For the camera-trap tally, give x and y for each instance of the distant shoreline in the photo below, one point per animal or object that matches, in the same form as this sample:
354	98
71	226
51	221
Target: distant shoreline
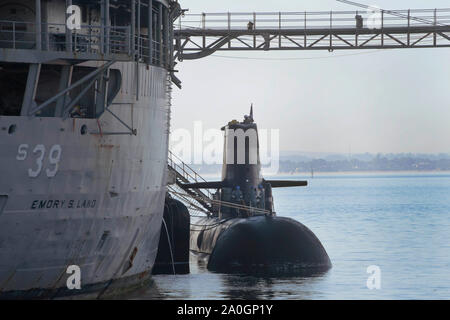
307	175
378	172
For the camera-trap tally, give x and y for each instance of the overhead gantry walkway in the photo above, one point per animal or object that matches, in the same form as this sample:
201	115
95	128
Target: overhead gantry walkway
200	35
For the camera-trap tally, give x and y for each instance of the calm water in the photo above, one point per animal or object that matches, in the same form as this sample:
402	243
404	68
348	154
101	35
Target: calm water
399	222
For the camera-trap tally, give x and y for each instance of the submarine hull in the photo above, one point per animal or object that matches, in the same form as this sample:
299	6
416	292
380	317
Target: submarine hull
267	244
173	250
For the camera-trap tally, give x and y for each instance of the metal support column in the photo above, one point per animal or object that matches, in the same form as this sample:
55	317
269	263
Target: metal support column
64	82
31	88
38	25
331	30
68	31
254	27
304	28
139	40
204	27
101	94
139	52
150	31
229	27
435	24
107	27
409	27
133	29
102	27
159	35
171	44
382	28
279	30
166	36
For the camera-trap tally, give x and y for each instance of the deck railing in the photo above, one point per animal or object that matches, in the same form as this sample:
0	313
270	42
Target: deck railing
160	53
55	37
90	39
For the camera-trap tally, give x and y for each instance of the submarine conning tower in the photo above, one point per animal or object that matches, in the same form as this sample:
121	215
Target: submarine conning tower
241	163
242	192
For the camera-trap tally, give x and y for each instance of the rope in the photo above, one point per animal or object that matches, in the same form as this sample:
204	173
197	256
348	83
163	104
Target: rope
170	246
226	204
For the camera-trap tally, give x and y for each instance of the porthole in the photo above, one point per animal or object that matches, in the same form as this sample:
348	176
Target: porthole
84	129
12	128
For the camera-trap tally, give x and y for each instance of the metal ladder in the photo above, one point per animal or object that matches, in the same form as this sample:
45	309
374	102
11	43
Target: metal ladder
196	199
200	201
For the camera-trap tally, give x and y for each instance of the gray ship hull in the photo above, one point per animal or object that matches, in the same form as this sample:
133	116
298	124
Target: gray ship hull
94	200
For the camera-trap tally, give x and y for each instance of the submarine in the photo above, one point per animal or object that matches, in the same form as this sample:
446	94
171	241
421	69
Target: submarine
243	232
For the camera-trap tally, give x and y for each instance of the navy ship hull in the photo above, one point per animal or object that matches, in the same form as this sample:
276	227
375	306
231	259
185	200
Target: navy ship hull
85	97
99	207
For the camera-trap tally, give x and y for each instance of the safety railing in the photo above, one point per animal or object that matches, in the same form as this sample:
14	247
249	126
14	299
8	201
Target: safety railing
56	37
374	18
159	52
194	205
255	211
17	34
186	171
102	40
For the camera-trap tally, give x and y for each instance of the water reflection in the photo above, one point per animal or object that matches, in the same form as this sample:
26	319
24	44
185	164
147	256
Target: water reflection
243	287
202	284
256	287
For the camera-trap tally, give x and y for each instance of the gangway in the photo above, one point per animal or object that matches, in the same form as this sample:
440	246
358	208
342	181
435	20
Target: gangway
199	201
200	35
181	173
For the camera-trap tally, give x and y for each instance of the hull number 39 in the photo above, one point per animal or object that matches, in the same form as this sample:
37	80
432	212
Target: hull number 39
41	162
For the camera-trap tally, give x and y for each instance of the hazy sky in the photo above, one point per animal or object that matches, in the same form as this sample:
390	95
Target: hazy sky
375	101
